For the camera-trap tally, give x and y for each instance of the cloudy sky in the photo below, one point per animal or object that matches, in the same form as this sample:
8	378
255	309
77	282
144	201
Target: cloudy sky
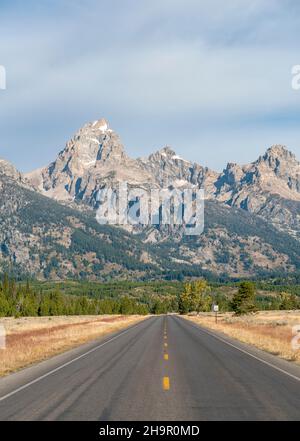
208	77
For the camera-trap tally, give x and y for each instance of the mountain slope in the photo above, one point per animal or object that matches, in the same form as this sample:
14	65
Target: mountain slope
42	237
252	215
234	243
49	240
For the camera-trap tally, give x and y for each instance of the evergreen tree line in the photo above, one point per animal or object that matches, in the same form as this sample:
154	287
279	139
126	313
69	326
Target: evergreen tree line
24	301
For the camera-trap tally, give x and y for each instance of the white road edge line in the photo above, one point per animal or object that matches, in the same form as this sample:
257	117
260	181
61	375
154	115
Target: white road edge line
244	351
25	386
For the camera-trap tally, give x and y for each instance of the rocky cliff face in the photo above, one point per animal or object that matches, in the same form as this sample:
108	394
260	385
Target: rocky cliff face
277	172
42	237
169	169
95	157
49	240
269	187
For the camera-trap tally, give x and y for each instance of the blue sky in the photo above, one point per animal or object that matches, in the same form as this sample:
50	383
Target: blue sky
210	78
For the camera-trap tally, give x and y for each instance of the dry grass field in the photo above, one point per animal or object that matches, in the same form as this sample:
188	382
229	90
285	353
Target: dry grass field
267	330
29	340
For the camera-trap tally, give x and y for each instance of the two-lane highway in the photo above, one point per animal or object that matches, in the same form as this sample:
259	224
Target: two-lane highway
164	368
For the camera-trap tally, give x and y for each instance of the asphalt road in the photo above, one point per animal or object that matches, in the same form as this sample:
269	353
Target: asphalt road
163	369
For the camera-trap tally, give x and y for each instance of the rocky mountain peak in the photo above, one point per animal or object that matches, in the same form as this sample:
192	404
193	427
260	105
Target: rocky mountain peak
6	168
91	147
101	125
94	156
167	151
169	169
166	155
276	174
280	164
98	126
278	151
8	171
276	155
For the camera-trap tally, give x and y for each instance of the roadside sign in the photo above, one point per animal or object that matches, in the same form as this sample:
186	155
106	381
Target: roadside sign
215	309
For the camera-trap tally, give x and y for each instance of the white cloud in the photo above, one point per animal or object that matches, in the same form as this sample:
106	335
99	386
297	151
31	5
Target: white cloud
222	63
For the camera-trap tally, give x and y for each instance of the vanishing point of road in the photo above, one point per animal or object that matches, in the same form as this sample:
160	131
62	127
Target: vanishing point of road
163	369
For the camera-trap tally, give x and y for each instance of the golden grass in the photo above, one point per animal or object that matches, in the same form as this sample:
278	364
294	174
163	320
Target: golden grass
267	330
34	339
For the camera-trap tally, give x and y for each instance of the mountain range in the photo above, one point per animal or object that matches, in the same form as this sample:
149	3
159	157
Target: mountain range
48	227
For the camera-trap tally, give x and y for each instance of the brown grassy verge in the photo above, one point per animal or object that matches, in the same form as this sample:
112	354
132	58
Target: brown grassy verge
34	339
270	330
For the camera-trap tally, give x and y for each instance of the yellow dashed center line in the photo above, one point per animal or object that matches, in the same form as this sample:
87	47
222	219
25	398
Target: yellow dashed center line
166	383
166	380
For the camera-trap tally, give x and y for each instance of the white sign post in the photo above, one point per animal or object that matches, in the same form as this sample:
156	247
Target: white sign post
216	310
